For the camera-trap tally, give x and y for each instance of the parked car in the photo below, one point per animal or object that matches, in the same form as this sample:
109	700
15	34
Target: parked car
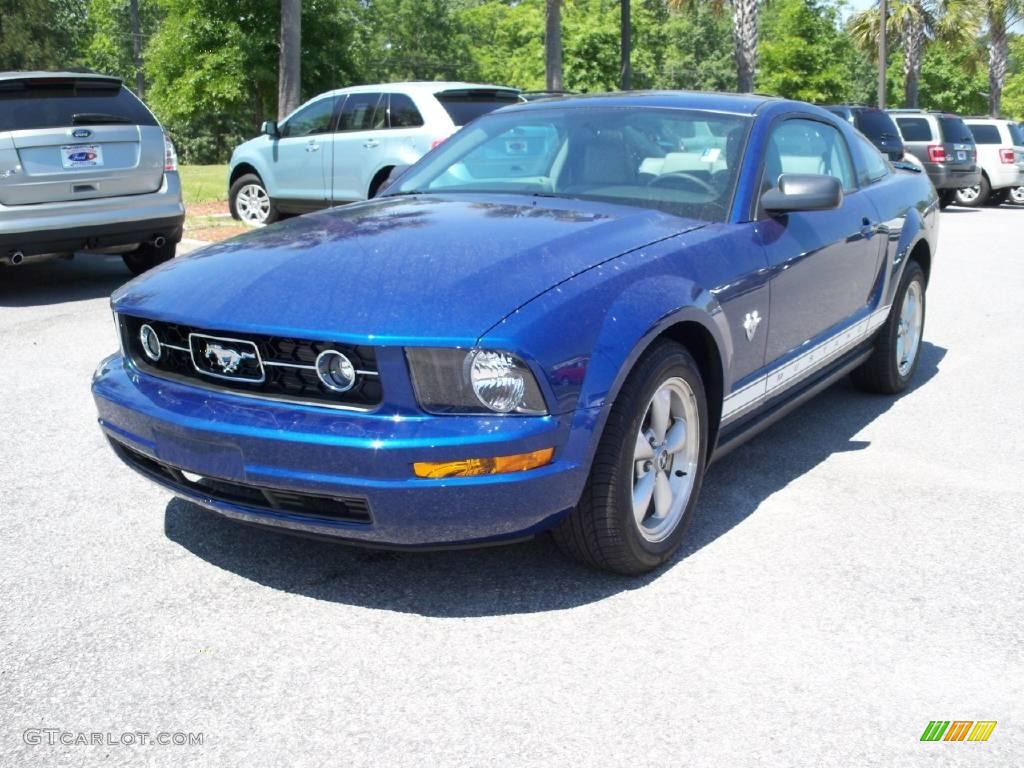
395	372
1001	157
944	144
1017	193
341	146
874	123
84	166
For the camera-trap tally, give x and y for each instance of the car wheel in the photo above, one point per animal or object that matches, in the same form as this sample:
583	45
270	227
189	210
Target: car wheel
147	256
1017	195
973	197
250	203
898	348
647	471
945	198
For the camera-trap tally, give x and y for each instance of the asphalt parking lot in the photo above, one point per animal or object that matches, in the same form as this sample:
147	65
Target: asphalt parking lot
853	573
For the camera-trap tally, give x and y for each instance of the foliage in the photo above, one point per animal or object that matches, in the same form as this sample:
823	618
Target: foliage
40	34
1013	93
804	55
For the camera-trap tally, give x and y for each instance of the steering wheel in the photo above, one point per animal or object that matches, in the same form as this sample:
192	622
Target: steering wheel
674	178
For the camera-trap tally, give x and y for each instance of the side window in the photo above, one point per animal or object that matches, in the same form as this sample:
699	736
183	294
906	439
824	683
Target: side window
985	134
310	120
402	113
876	167
807	146
914	128
363	112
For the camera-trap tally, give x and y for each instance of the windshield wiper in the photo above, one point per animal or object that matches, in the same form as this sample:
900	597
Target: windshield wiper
97	118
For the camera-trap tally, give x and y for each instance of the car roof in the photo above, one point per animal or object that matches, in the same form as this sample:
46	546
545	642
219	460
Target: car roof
57	75
734	103
428	86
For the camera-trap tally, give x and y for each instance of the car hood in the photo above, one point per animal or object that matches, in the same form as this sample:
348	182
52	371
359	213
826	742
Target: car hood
435	268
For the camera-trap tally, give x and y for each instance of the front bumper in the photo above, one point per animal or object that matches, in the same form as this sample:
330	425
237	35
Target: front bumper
69	226
272	451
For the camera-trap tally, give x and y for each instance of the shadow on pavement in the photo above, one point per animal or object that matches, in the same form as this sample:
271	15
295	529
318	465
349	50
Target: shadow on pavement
531	577
88	276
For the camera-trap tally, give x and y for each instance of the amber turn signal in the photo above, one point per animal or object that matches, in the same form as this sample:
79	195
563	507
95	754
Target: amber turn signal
497	465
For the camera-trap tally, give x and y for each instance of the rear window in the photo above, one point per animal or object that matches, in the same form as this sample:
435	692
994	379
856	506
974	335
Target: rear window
985	134
955	130
402	113
464	106
877	124
1016	135
62	103
914	128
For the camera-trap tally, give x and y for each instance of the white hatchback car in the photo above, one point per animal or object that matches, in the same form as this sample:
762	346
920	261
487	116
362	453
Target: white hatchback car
1001	157
341	146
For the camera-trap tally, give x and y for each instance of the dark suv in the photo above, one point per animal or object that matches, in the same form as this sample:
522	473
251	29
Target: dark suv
945	145
874	123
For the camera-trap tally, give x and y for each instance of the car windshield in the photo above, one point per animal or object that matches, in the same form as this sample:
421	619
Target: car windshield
59	103
955	130
683	162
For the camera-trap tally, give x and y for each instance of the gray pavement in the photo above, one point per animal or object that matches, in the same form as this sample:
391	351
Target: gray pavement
852	574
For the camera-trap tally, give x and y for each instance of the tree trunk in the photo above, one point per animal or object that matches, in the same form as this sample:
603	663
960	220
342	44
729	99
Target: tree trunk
625	46
998	59
744	30
289	67
136	26
913	45
553	45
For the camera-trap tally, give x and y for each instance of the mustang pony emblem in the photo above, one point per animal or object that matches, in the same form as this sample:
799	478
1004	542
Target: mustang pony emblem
226	359
750	323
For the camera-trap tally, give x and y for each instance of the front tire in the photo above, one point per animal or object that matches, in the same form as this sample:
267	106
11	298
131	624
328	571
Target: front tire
946	197
647	471
147	256
1017	195
897	352
250	202
976	196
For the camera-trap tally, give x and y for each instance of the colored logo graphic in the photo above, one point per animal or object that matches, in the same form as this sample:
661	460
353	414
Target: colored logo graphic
81	157
958	730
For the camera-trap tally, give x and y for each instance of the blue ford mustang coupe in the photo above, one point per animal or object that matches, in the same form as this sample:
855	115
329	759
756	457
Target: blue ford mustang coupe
554	321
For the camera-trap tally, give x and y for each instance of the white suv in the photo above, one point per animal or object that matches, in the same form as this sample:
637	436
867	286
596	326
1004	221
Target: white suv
1001	157
341	146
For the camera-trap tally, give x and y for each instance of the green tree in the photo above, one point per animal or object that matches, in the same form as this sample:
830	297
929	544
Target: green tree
40	34
1013	92
804	55
108	44
745	17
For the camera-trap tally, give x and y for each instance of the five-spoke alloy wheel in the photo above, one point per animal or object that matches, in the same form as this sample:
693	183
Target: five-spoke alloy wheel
250	203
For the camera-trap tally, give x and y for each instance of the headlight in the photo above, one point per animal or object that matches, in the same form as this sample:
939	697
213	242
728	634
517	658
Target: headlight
473	381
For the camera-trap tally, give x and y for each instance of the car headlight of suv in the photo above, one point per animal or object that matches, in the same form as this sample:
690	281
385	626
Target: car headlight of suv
473	381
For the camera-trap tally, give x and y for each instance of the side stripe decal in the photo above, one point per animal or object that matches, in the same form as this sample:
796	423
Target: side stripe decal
785	376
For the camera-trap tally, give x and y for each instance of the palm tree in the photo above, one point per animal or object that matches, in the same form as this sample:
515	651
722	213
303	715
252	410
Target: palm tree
744	33
553	45
289	66
625	44
911	24
1000	15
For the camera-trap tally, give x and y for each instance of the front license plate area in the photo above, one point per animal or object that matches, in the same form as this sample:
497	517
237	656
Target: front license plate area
200	456
81	156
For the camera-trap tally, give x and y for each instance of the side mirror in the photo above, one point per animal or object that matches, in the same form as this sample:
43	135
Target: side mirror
393	176
803	192
269	128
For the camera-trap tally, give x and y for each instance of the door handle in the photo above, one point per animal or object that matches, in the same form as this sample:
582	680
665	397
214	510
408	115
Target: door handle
312	147
371	144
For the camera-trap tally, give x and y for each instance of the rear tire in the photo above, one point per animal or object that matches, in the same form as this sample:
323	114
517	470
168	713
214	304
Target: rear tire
250	202
974	197
1017	195
647	472
897	352
147	256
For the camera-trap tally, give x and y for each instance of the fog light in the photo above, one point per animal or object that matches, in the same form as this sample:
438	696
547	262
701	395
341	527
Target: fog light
518	462
150	342
336	371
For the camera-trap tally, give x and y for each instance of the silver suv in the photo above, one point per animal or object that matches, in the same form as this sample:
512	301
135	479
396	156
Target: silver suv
945	147
1001	157
84	166
342	145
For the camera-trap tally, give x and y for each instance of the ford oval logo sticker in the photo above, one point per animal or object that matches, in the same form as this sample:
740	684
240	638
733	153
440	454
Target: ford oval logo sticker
81	133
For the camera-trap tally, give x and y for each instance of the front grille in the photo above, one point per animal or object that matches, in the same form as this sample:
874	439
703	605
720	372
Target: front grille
280	367
349	509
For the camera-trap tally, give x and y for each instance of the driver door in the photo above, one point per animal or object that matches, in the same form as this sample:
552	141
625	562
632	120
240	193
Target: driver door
823	263
302	153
